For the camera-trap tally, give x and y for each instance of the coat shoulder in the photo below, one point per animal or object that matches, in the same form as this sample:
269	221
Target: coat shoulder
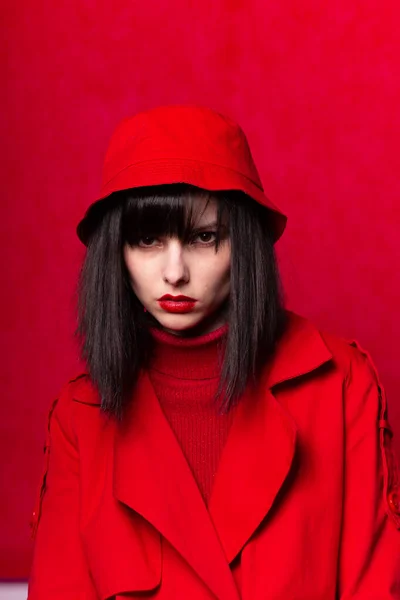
352	358
348	354
81	389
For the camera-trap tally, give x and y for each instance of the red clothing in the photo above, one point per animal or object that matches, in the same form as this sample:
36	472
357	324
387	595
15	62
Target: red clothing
306	492
185	374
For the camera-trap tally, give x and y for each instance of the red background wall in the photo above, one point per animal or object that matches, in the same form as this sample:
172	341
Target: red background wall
316	87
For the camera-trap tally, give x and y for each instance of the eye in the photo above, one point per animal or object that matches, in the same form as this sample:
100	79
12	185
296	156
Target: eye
146	241
206	237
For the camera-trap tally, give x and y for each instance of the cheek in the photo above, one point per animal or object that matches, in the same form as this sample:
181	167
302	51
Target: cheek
139	277
225	281
130	264
216	276
142	282
224	266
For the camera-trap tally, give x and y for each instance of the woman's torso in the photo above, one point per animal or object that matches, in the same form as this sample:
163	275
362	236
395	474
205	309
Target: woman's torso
273	527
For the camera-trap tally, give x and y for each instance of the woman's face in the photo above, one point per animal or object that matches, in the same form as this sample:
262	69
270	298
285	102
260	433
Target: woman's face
166	266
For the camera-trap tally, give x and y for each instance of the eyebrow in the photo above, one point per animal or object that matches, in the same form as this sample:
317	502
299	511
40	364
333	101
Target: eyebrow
206	226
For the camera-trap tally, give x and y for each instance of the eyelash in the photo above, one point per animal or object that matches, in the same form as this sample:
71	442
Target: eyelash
204	244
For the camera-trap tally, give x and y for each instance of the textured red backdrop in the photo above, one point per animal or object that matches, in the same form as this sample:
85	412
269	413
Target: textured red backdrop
316	87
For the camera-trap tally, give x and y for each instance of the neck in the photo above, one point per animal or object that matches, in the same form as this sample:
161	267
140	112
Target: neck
194	357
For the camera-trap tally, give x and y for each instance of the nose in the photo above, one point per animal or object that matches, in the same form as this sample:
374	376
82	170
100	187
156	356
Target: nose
175	269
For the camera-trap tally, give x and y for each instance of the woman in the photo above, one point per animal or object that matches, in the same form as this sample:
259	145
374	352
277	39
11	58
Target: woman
219	445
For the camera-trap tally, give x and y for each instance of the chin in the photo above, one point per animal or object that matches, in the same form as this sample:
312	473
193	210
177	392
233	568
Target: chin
179	322
190	324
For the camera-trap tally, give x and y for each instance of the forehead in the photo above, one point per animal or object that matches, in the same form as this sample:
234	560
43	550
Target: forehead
204	209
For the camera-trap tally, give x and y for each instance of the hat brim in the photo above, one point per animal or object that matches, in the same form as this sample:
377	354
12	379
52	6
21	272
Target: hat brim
211	177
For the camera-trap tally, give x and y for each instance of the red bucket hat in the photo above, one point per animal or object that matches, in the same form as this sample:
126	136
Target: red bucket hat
179	144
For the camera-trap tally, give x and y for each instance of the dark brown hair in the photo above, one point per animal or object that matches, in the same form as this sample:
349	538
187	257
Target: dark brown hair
112	327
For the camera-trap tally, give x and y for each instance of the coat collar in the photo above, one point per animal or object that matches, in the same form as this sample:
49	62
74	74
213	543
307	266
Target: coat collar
152	477
300	350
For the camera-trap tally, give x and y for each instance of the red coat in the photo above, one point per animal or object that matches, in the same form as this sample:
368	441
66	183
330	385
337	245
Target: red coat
306	498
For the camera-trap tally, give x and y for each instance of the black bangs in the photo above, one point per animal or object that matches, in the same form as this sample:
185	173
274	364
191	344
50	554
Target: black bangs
169	210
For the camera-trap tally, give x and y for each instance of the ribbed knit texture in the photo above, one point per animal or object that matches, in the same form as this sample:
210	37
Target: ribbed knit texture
185	374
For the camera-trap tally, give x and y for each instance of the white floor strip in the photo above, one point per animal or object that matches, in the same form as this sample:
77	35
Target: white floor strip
13	591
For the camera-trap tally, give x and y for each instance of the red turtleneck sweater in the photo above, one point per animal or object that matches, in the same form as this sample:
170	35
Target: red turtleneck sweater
185	374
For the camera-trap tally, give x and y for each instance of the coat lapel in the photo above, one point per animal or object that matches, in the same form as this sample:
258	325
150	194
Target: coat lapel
150	474
152	477
260	450
255	462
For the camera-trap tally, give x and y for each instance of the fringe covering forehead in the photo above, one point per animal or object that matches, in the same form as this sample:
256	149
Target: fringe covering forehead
172	212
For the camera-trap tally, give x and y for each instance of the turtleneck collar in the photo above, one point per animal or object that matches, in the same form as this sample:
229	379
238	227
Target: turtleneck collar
198	357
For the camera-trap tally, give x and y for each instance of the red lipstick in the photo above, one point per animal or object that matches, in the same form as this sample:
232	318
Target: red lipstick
177	304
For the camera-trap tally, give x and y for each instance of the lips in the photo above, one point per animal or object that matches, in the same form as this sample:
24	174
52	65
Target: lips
179	298
177	304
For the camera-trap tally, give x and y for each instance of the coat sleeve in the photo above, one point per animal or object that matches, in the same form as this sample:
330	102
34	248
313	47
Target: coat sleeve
369	561
59	570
